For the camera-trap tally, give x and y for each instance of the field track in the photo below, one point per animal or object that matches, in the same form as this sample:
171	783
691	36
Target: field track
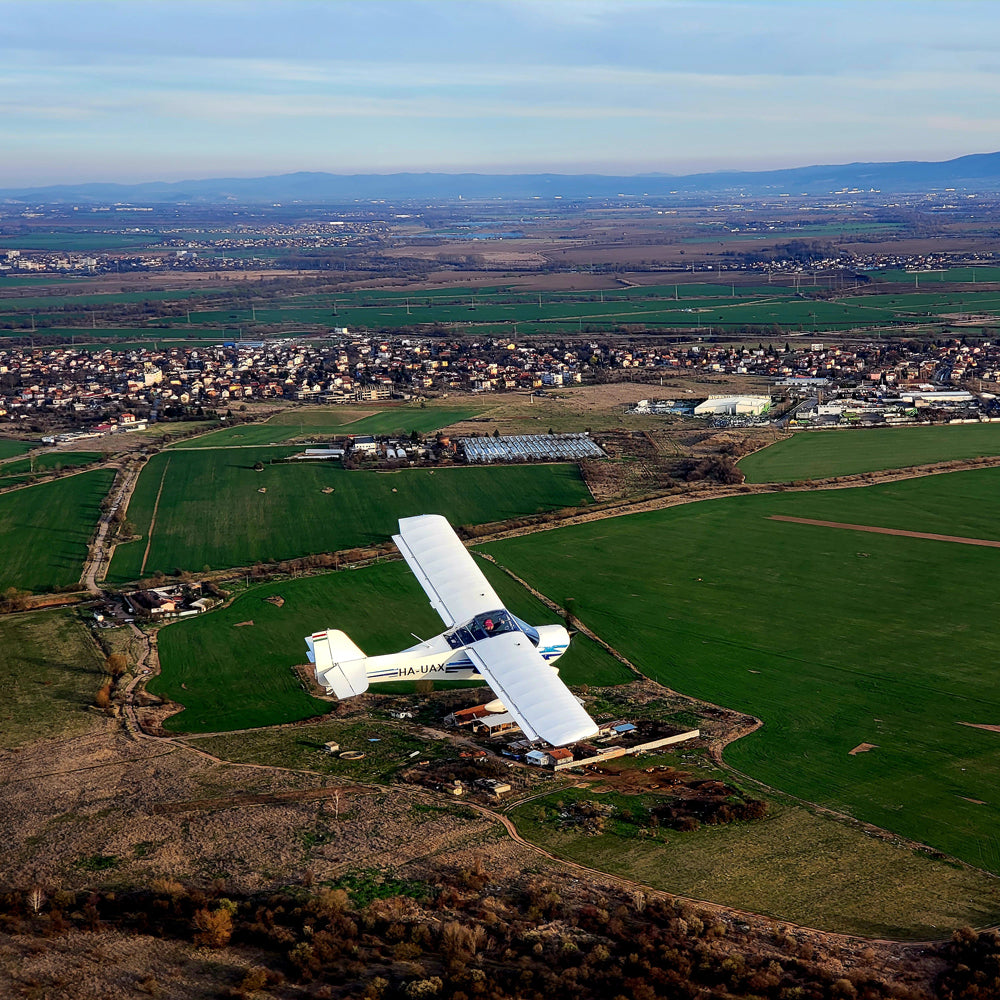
888	531
152	519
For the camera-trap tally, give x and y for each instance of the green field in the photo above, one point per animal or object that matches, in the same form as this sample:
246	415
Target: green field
83	240
824	454
39	303
50	671
236	677
44	530
211	513
53	460
721	310
970	274
793	865
721	305
833	637
27	280
113	338
334	420
9	448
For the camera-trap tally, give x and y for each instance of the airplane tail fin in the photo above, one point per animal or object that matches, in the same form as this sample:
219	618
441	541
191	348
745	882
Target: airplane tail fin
340	665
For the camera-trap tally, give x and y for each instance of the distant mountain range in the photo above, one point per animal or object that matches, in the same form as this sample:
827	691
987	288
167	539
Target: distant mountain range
978	172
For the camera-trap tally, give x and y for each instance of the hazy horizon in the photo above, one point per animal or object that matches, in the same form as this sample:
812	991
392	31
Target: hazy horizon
96	91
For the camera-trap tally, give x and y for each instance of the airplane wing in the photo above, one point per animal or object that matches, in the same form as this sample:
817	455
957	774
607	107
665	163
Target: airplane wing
442	565
531	690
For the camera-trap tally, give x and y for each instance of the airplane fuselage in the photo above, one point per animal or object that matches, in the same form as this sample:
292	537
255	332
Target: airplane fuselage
437	660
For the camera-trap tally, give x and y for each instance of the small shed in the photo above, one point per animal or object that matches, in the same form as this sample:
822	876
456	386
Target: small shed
496	723
331	747
466	716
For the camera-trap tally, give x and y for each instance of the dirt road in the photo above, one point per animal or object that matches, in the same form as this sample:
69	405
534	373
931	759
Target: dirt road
101	549
959	539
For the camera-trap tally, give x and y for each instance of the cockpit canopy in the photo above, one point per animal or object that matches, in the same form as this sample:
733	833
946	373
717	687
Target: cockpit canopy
489	624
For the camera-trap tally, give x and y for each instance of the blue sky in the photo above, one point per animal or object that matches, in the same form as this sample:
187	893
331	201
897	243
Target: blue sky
145	90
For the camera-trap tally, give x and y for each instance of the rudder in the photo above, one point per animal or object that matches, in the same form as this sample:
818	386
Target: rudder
340	664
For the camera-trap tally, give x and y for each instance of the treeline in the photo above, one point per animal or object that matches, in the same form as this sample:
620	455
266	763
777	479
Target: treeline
526	943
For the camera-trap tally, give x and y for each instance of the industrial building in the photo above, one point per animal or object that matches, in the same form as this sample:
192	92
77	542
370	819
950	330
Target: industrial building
733	406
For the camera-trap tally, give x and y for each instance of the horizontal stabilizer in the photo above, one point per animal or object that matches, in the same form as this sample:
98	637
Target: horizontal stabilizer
340	665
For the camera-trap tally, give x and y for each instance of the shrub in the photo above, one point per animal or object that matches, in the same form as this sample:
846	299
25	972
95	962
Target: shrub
213	928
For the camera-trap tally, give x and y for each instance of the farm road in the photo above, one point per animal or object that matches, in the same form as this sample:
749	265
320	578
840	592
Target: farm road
100	552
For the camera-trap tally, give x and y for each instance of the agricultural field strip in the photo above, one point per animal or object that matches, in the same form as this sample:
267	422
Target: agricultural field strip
46	462
797	865
329	423
50	670
841	313
844	452
11	449
41	302
45	530
217	511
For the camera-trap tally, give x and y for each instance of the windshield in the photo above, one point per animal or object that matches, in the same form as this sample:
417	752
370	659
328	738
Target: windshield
486	625
529	630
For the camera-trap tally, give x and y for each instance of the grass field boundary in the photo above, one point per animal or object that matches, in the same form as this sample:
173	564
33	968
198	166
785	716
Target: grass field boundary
577	625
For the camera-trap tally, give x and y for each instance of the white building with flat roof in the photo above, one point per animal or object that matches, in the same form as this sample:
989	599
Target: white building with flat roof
733	406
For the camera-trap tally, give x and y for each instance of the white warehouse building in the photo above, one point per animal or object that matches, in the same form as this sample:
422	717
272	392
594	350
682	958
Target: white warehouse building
733	406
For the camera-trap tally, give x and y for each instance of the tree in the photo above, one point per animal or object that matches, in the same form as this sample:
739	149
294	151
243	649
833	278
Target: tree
103	697
116	664
36	898
213	928
14	599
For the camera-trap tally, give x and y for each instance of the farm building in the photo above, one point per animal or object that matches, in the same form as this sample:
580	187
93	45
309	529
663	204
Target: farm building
317	454
495	723
549	758
943	397
732	406
522	447
466	716
365	443
493	785
166	602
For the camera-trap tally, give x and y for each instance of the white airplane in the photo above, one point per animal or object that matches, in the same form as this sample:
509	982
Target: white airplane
481	639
